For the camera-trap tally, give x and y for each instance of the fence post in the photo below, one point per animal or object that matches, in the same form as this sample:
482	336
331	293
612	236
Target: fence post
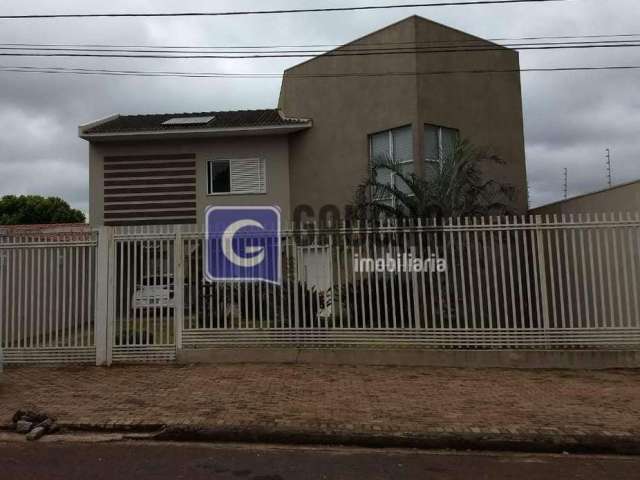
104	294
542	270
4	298
296	280
178	288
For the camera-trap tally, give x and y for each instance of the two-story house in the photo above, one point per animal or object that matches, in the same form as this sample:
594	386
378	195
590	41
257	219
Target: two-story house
406	91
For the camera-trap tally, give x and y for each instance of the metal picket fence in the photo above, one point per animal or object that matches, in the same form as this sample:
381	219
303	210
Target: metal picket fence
520	282
123	295
47	298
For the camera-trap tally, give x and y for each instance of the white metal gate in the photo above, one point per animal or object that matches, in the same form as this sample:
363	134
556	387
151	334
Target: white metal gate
47	298
143	302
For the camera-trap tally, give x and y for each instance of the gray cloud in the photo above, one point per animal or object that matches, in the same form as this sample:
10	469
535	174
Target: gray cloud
570	118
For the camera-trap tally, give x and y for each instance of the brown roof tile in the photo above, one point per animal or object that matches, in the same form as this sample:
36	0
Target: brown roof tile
230	119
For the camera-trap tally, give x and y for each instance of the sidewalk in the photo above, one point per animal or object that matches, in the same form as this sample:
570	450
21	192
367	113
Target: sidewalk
275	401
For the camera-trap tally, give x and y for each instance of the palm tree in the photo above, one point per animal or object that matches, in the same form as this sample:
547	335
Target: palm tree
457	188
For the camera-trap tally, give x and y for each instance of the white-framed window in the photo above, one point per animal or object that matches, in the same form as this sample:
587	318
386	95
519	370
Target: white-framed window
439	143
392	145
236	176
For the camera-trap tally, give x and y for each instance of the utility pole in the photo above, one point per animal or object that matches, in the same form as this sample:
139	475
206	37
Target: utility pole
609	173
566	183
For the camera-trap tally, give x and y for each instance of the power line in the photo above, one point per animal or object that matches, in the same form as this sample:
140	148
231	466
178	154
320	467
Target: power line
342	52
372	44
311	55
272	12
142	73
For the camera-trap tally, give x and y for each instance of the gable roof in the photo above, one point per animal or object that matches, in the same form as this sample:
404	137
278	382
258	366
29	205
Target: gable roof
413	21
238	120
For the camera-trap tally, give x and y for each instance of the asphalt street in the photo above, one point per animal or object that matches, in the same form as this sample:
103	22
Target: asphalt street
158	461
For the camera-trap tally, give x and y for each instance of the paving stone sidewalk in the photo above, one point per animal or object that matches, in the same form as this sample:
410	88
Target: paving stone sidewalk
380	400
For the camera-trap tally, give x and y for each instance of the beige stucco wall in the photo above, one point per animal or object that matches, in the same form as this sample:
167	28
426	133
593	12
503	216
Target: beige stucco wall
623	198
273	148
485	107
330	160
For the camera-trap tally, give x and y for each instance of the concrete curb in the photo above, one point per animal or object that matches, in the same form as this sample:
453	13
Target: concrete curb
535	442
521	442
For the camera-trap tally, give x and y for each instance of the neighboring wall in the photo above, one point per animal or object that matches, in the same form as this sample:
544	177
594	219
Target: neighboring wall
575	255
274	149
330	160
622	198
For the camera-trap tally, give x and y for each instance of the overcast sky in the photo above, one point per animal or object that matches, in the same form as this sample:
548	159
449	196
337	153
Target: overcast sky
570	118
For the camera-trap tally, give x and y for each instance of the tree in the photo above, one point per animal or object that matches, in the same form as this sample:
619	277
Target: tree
455	189
34	209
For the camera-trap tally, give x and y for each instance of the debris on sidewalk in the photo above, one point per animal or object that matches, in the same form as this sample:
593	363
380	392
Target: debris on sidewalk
33	424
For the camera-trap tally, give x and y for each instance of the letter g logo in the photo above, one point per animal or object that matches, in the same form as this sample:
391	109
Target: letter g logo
243	244
229	235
